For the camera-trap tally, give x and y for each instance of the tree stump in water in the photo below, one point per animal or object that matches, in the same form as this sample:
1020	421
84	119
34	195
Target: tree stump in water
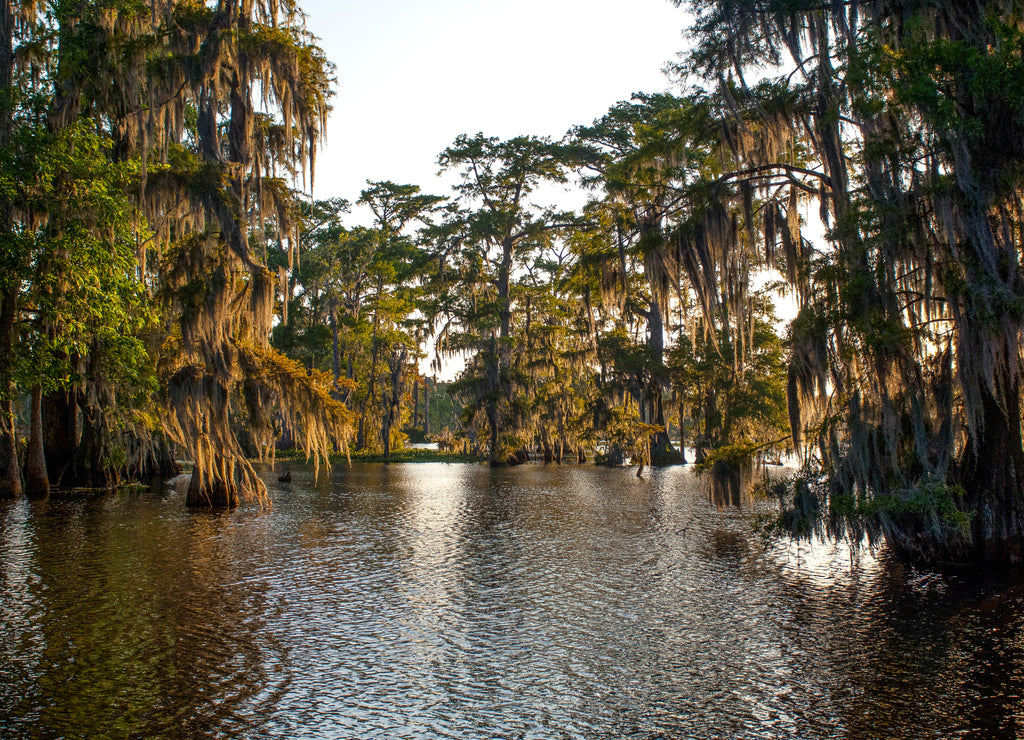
210	495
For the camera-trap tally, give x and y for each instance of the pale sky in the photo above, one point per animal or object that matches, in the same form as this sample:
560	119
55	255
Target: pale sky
413	75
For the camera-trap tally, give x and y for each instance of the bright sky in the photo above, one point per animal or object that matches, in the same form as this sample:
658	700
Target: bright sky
414	74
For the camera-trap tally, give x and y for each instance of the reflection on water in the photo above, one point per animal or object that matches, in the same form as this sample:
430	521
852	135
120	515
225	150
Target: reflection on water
435	600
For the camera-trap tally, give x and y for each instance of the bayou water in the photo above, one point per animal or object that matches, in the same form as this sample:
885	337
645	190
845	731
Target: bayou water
452	600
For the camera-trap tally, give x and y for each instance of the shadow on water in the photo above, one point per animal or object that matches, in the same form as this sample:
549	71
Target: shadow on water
959	635
727	545
128	616
914	652
438	600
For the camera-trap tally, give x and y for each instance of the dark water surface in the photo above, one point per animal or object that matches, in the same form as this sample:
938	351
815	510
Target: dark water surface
434	600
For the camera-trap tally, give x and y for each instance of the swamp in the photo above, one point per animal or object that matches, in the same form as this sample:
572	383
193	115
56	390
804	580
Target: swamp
698	418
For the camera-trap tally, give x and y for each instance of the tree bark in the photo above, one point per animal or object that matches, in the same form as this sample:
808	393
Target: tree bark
219	494
499	357
990	473
549	454
37	482
335	347
61	431
993	476
10	470
88	464
493	458
415	399
371	391
395	363
426	406
662	452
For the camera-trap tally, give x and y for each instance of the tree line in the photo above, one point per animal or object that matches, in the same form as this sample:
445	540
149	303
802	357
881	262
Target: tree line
165	289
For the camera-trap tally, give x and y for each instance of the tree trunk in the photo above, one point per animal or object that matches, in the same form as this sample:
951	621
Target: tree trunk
282	274
491	405
371	389
415	400
335	349
662	452
498	360
10	471
993	475
493	457
89	466
682	432
165	465
61	431
219	494
549	454
395	363
426	406
37	482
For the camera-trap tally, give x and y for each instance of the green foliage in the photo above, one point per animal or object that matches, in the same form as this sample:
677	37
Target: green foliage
907	350
357	311
492	233
629	435
136	164
728	455
735	404
77	257
814	506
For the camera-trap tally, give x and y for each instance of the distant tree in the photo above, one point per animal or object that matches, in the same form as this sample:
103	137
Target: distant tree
637	164
675	230
739	409
359	290
491	233
395	328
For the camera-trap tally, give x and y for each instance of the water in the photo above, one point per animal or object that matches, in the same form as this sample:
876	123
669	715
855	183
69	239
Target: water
435	600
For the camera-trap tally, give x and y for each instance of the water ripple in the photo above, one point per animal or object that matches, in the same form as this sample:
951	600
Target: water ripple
453	601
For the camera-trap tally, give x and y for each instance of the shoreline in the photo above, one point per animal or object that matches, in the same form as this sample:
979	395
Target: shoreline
399	456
